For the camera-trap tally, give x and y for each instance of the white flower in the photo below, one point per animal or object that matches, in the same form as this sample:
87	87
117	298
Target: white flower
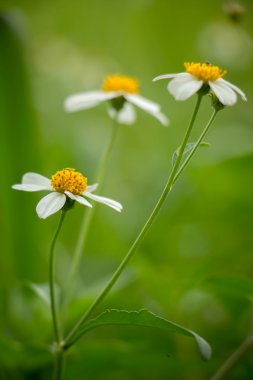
197	75
122	92
65	183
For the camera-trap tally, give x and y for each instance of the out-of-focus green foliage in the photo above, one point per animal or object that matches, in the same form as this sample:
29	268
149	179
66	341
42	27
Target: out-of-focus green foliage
201	244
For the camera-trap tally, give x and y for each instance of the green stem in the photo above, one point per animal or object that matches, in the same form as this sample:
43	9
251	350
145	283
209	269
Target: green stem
86	222
234	359
59	364
71	338
186	161
51	281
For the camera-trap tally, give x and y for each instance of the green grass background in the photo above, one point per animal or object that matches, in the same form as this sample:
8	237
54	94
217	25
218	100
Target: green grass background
51	49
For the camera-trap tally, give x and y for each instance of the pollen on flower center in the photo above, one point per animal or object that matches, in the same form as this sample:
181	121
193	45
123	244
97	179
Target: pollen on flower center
121	83
204	71
69	180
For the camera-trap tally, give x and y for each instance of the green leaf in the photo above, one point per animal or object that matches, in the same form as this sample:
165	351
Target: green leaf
20	149
235	285
43	292
15	354
147	319
188	148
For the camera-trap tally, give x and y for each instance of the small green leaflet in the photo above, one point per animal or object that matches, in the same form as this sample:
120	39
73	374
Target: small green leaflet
147	319
42	291
188	148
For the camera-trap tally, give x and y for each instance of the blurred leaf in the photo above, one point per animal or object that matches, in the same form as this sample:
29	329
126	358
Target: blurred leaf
43	292
20	150
14	354
147	319
188	148
235	285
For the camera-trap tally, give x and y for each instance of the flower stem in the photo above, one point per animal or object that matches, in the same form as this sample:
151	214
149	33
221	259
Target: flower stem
73	335
51	281
59	364
86	222
186	161
234	358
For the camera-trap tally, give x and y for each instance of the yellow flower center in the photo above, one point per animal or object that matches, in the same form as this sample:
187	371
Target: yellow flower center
121	83
70	180
204	71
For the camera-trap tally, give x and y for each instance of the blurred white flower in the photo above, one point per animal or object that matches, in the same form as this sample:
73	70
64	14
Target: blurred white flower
123	92
197	75
64	184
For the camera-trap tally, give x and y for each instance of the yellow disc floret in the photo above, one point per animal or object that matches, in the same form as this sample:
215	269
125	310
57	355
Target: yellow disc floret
204	71
121	83
69	180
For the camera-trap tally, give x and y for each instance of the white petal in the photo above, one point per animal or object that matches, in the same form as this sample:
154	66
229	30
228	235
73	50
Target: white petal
78	198
148	106
36	179
91	188
107	201
50	204
184	86
125	116
235	88
168	76
87	100
162	118
225	94
29	187
143	103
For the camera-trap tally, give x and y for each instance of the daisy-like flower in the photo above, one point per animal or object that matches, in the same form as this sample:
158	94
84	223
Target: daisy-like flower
64	184
122	92
197	75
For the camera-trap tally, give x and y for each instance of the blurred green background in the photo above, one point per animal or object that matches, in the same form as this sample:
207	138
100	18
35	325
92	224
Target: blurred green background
195	266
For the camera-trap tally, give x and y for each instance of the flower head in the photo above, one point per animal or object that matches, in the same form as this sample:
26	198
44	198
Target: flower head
198	75
122	92
63	185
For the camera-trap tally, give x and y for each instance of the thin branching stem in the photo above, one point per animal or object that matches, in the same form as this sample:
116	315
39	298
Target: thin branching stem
200	139
88	216
52	279
73	336
234	359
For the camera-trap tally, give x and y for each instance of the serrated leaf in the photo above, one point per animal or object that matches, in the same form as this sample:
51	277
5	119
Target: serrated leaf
188	148
147	319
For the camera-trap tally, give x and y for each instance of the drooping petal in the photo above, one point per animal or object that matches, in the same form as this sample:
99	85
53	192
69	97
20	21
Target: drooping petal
87	100
225	94
162	118
184	86
30	187
50	204
36	179
235	88
143	103
91	188
168	76
78	198
125	116
107	201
